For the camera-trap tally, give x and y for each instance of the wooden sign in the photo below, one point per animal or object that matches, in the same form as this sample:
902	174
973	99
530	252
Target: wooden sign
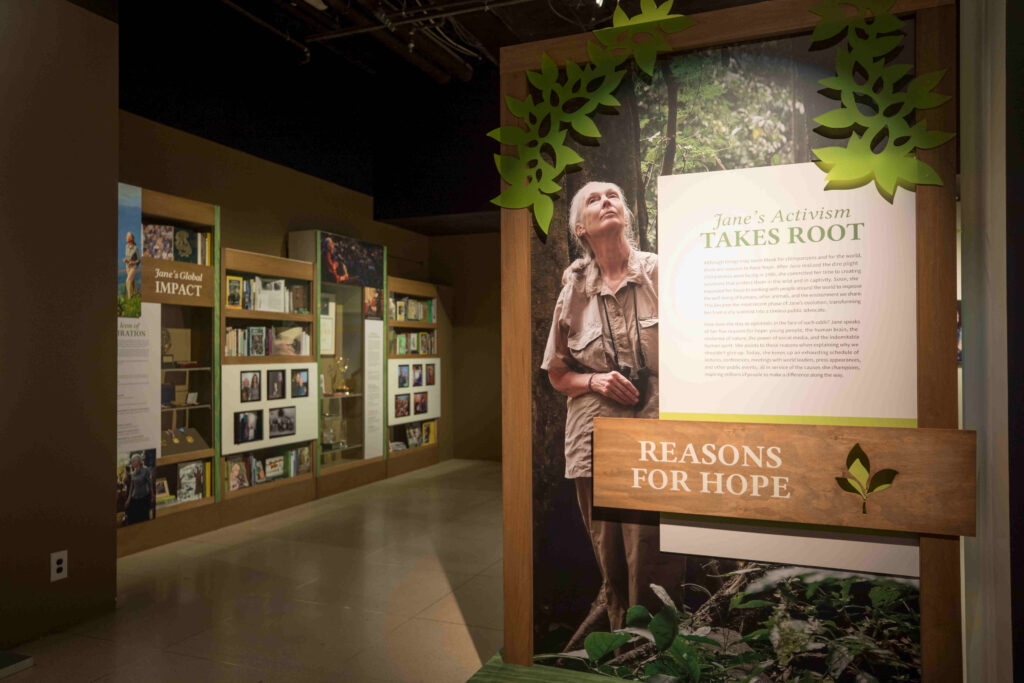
174	282
916	480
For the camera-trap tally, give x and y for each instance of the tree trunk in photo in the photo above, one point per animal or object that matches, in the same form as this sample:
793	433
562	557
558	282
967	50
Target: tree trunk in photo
632	111
672	89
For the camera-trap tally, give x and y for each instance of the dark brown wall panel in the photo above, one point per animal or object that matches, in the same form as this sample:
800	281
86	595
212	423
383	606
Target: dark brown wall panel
58	208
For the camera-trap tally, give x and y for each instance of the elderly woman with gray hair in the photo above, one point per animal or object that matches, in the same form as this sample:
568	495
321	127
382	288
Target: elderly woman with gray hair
602	353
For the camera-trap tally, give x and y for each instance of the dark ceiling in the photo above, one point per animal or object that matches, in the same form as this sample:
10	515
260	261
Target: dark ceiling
392	98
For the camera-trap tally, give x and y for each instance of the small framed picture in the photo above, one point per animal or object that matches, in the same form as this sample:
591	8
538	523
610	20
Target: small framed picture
420	403
300	383
162	488
249	383
282	421
403	376
275	384
402	405
430	374
248	426
417	375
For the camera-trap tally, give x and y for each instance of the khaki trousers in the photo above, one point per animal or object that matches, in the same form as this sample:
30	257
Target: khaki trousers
626	547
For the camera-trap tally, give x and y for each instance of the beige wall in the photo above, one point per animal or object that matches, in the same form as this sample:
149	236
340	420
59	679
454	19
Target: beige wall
58	208
470	264
261	202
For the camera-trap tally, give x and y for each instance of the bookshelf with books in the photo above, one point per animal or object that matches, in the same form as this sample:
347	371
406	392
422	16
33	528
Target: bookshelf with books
351	356
414	375
269	380
179	243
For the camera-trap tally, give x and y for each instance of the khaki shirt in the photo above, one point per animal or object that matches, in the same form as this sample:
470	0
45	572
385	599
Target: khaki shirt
579	341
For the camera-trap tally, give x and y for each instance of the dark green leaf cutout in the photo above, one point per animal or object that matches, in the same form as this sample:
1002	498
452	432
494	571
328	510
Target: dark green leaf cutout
531	180
870	36
882	480
600	644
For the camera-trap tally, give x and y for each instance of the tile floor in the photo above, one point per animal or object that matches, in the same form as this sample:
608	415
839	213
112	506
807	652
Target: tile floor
396	581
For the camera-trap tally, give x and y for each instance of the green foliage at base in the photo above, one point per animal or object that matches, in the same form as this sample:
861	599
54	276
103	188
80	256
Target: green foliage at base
129	307
785	623
878	101
569	102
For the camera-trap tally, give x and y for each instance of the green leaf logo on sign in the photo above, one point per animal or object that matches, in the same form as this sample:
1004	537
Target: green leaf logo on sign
860	480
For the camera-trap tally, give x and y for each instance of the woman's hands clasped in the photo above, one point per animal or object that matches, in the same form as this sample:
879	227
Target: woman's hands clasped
615	386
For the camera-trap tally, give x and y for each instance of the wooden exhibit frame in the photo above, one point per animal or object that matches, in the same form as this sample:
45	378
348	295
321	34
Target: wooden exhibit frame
936	38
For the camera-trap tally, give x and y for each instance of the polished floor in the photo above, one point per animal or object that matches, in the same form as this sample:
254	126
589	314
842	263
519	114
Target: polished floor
396	581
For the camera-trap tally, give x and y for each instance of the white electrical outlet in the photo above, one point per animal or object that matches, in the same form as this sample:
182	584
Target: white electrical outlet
58	565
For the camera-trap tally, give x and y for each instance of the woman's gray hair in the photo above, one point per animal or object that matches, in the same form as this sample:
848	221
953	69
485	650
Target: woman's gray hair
576	211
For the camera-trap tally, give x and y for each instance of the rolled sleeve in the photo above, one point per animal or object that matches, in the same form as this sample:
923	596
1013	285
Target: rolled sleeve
556	353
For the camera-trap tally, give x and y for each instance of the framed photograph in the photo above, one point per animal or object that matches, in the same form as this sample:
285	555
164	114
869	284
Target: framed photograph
300	383
420	403
430	374
417	375
275	384
161	487
372	307
249	384
234	292
412	435
403	376
282	422
257	341
402	405
248	426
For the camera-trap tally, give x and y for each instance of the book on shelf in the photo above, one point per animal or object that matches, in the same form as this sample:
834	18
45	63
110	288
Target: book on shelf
186	245
191	478
272	296
259	475
401	345
429	432
413	435
158	242
238	473
303	460
400	310
268	295
274	467
414	343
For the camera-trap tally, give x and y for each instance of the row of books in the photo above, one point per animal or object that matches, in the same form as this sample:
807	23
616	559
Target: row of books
258	294
257	340
251	470
193	484
402	343
407	308
170	243
416	434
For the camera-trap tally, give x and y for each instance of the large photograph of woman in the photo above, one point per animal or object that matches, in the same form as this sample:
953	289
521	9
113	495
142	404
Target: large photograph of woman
595	350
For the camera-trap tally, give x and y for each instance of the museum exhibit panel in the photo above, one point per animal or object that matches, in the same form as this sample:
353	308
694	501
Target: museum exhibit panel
781	178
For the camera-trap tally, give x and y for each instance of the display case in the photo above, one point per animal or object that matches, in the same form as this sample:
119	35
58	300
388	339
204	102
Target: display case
414	374
269	379
167	338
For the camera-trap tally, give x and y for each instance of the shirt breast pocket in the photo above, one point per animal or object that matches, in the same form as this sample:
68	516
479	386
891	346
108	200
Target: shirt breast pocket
588	350
649	342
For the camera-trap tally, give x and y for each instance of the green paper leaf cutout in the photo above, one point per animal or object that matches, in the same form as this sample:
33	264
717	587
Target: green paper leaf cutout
664	628
871	34
533	176
882	480
837	118
857	455
543	209
599	644
638	616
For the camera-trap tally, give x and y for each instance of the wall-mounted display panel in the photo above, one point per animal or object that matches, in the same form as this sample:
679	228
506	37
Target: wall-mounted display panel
414	389
267	405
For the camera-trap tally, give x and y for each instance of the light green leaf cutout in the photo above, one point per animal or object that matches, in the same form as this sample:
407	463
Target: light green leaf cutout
862	75
532	178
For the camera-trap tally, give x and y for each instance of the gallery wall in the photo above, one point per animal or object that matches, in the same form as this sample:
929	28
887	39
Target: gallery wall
57	268
470	264
260	201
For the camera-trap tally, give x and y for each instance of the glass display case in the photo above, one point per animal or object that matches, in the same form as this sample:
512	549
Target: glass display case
341	367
